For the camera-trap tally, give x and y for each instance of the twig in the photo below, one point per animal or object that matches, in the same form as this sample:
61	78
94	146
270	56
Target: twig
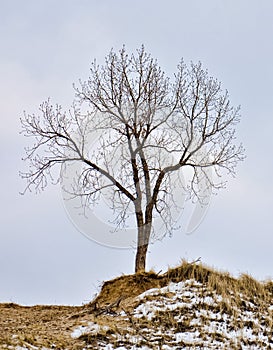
195	261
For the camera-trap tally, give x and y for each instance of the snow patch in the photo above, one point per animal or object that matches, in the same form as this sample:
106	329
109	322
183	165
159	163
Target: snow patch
92	328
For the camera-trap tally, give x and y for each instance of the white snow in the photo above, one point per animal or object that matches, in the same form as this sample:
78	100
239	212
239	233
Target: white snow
201	304
184	315
92	328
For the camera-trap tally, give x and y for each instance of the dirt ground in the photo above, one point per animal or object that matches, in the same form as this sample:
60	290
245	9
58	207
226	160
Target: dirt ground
51	326
43	325
40	325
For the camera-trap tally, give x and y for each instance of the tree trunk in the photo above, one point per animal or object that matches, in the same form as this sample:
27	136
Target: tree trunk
141	258
143	239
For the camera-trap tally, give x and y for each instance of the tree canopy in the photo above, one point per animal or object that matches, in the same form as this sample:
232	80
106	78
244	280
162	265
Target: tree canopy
150	126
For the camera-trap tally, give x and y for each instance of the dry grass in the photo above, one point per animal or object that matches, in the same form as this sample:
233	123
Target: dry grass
126	287
129	286
46	325
37	325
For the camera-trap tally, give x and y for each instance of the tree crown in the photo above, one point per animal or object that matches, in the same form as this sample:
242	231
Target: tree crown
150	128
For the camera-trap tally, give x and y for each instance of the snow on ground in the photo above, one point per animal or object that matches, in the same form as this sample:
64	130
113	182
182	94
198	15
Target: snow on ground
183	315
186	315
92	328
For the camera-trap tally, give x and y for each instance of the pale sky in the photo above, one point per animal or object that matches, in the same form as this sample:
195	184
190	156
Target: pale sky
46	46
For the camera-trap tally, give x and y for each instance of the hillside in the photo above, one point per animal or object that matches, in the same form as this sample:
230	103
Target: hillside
188	307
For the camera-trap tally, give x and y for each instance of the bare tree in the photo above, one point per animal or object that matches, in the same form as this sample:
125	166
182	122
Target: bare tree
153	125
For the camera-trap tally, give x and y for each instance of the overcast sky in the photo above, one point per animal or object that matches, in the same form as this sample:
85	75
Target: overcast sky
48	45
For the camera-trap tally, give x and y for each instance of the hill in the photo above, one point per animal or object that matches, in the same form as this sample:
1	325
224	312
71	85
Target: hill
188	307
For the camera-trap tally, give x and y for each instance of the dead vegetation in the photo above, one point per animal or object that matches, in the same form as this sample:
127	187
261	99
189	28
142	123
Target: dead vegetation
129	286
112	313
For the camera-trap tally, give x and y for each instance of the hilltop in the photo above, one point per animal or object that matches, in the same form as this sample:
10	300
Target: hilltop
187	307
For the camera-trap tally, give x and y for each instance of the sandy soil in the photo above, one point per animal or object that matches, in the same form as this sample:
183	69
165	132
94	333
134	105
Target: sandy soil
40	325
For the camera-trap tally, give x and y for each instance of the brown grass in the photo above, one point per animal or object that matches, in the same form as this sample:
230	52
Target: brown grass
130	286
47	325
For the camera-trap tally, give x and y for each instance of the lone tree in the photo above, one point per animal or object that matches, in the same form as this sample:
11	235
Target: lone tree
158	125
